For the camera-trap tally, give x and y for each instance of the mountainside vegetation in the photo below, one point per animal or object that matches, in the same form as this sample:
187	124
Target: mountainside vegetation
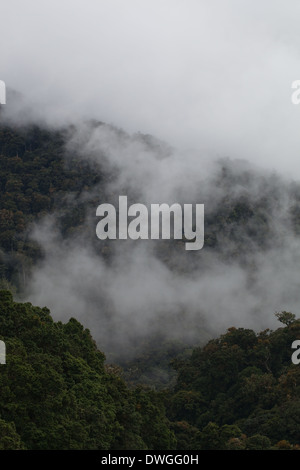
240	391
58	391
34	181
240	384
40	175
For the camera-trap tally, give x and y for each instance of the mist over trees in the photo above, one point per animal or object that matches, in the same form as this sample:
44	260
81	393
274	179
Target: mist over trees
140	343
52	181
57	393
168	376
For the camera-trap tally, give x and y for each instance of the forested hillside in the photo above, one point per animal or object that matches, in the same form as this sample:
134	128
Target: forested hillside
170	376
35	181
240	391
56	393
247	211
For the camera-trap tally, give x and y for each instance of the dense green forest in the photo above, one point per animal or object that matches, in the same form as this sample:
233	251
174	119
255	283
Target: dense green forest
58	391
34	181
240	391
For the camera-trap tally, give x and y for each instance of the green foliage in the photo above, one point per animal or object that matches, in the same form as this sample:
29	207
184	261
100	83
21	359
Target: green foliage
34	180
9	438
40	176
240	391
258	442
55	392
285	317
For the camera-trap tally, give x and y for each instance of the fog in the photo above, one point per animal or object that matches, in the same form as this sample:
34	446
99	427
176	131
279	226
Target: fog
208	79
210	75
149	288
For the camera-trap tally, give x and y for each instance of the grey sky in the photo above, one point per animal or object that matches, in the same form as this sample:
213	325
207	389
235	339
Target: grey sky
213	75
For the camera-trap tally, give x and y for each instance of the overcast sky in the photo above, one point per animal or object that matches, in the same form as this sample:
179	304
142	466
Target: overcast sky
213	75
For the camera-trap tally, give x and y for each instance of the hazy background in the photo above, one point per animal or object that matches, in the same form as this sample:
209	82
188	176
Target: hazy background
211	79
214	75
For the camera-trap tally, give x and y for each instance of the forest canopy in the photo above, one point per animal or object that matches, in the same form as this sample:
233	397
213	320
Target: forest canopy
240	391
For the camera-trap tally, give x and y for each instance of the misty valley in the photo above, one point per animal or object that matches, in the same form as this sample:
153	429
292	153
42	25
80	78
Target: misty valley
117	340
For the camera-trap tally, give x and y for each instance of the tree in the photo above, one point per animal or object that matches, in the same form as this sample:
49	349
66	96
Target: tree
210	439
56	394
258	442
9	438
285	317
